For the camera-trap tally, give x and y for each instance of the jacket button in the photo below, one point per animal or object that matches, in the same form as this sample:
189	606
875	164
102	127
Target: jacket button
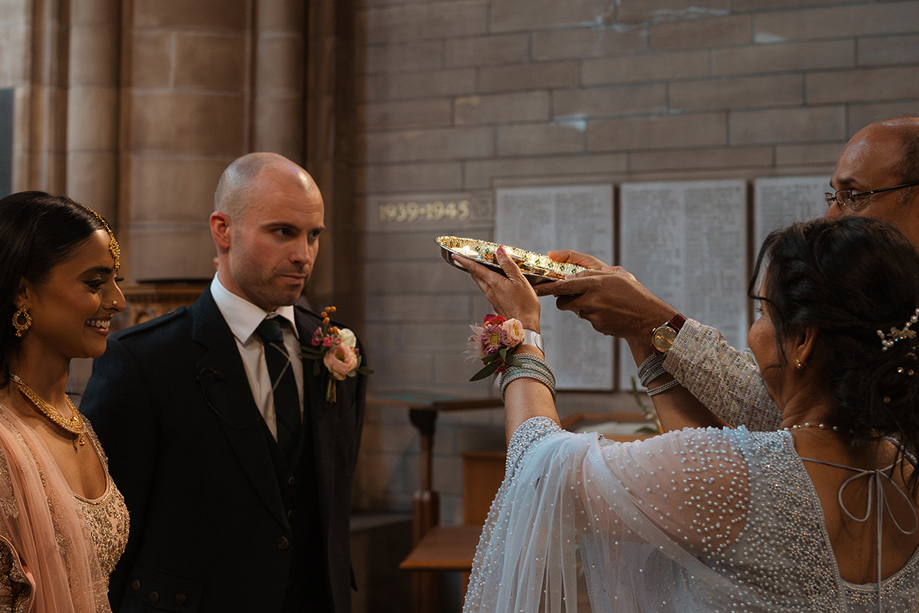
154	597
290	514
292	481
180	599
283	543
135	585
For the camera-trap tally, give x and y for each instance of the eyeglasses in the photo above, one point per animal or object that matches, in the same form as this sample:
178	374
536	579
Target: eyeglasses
845	197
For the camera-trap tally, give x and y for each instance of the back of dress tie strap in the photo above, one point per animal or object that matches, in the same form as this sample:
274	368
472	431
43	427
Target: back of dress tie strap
879	498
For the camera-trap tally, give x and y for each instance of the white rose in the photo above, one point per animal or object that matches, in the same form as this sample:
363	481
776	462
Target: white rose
347	338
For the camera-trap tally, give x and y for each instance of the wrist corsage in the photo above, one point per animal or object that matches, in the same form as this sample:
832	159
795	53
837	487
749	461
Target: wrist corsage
336	349
493	343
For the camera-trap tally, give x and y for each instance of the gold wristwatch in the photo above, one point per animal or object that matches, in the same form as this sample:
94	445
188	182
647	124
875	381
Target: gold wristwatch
663	336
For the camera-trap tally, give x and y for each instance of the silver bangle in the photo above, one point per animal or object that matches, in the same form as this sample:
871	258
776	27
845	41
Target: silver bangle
525	374
533	338
664	387
651	369
531	367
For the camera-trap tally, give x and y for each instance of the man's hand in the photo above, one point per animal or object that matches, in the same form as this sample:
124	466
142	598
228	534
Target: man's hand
609	297
567	256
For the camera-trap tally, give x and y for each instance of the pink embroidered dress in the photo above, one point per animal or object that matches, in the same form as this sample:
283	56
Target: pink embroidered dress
56	547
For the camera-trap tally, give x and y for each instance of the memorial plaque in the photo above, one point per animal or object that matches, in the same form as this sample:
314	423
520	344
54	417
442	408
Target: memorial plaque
782	201
578	217
686	242
445	213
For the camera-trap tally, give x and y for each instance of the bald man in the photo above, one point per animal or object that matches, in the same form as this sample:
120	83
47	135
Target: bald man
237	476
877	175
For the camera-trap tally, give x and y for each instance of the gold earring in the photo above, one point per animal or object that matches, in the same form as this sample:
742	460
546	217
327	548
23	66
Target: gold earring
22	327
799	364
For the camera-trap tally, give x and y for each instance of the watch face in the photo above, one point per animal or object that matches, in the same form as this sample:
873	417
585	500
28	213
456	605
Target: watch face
663	338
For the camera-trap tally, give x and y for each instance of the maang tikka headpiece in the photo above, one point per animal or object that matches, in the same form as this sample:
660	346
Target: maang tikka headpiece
895	334
113	246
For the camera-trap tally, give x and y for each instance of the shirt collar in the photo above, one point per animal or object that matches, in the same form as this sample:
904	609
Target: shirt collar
242	316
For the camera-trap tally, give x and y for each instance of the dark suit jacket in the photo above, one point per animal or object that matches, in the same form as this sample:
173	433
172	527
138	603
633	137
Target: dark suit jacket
219	522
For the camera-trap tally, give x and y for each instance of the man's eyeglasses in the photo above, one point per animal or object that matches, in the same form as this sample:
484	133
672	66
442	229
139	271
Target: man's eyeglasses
845	197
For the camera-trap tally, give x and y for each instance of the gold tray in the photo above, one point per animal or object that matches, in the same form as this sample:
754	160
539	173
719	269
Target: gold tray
536	267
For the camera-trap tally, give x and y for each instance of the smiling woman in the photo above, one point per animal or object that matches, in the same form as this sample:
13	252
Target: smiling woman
63	524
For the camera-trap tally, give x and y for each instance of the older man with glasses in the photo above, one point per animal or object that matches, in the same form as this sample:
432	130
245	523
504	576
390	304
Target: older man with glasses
700	379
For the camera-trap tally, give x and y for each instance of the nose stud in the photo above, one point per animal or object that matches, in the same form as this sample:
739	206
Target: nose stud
114	303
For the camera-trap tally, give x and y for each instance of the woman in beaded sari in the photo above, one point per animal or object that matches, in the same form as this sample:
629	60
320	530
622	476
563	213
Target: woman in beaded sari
63	524
818	516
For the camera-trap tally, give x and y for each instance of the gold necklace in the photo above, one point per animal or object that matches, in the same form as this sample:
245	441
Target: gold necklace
74	425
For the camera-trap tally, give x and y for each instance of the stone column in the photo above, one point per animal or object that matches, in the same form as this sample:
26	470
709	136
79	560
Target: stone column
47	97
92	105
188	117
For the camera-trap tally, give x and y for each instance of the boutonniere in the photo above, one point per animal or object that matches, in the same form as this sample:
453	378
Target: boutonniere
336	349
492	341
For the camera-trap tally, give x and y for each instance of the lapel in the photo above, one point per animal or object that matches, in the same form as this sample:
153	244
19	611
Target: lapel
223	378
322	417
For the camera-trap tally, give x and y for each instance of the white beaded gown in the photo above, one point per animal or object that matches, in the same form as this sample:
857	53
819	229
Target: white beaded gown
694	520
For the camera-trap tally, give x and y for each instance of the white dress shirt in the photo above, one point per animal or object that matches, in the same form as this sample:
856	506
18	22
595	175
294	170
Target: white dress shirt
243	317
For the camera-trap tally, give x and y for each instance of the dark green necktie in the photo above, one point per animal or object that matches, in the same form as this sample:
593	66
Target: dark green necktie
281	372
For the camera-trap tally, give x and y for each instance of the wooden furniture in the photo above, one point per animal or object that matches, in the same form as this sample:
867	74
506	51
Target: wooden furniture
432	550
150	300
483	472
423	408
444	548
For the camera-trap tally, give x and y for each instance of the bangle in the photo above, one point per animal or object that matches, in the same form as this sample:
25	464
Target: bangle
664	387
533	338
531	367
651	369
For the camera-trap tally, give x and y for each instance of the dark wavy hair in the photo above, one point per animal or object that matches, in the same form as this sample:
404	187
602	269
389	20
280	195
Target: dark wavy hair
849	278
38	231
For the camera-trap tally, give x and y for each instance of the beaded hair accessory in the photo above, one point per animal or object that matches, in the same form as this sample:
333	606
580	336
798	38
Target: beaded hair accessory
113	246
895	334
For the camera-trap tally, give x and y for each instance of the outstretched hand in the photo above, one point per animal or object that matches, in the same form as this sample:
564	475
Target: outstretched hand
511	296
609	297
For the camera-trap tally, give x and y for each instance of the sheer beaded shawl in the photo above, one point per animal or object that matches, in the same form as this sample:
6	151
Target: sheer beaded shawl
695	520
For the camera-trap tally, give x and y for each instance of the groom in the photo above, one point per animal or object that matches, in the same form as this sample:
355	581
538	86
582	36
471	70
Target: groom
237	475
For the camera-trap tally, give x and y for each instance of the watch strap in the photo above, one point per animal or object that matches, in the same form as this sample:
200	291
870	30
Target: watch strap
677	322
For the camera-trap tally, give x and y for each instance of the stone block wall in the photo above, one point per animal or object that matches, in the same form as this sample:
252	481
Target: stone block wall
460	96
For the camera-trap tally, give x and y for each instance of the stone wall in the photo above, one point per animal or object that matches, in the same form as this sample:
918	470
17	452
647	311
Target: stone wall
135	106
461	96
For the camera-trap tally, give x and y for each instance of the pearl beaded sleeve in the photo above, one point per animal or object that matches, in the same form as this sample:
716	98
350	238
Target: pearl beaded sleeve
694	520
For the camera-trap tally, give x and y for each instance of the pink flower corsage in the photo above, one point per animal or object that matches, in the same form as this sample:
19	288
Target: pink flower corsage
336	349
493	342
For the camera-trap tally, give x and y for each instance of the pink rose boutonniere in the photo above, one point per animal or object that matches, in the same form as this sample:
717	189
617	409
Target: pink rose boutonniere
493	343
336	349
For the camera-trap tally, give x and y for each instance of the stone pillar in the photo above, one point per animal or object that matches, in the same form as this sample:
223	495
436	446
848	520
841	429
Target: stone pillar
47	97
277	123
188	118
92	105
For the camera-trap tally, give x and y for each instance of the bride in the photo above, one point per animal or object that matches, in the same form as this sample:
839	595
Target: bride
63	524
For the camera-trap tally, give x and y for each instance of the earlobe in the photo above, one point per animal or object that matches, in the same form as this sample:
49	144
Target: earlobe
805	346
23	294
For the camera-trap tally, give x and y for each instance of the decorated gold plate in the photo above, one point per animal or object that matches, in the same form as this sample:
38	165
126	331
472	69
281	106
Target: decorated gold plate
536	267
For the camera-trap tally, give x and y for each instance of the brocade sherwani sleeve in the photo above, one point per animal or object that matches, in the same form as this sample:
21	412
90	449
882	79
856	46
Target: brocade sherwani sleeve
725	380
